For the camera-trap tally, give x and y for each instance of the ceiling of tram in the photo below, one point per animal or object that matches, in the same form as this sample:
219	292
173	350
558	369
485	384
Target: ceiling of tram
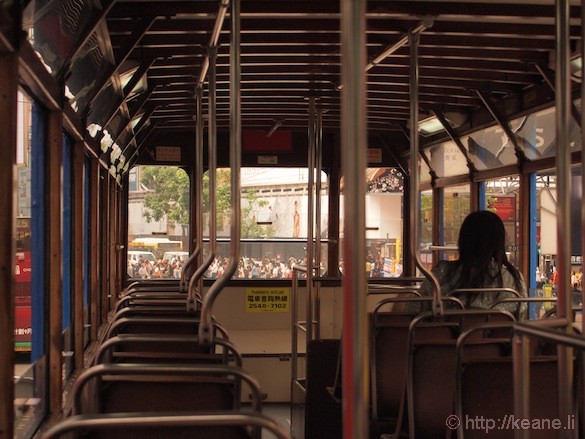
148	56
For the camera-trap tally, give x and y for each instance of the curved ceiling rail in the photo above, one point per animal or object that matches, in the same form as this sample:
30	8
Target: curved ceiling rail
205	333
223	7
196	190
195	284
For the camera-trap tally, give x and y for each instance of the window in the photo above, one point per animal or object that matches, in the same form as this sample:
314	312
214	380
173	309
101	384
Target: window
158	222
274	209
30	368
384	222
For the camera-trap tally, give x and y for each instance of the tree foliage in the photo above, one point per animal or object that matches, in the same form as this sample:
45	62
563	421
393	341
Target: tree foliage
169	195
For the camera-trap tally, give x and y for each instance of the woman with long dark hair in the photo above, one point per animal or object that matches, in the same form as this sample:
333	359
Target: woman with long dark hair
482	263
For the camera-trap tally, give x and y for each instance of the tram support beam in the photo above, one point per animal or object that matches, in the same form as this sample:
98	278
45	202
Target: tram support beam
503	123
8	107
140	29
549	78
142	69
78	259
54	259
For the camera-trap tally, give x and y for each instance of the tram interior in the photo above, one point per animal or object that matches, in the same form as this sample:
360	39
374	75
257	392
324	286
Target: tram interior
184	229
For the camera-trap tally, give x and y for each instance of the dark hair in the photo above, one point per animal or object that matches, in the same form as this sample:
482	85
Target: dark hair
482	238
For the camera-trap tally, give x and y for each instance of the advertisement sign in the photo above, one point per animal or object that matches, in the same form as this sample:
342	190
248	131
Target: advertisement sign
505	207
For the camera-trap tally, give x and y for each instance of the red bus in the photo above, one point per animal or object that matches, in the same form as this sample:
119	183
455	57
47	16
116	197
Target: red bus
22	296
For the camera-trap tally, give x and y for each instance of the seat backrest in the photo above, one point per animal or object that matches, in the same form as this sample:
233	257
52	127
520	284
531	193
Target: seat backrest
137	348
389	358
432	364
487	389
177	387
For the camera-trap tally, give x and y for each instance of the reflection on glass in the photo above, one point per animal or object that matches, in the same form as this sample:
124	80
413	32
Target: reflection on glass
502	198
456	207
426	228
54	26
447	160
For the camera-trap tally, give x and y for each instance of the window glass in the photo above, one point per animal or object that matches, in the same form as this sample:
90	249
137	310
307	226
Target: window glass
447	160
30	365
158	222
456	206
546	234
384	198
274	203
490	148
53	28
502	198
426	227
384	222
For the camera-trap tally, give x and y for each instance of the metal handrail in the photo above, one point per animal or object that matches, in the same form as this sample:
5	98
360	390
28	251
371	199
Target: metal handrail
296	324
140	420
543	329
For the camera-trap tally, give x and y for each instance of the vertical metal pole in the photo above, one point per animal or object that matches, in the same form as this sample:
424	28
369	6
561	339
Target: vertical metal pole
54	257
294	335
235	165
318	255
310	218
355	350
521	355
563	163
414	194
212	140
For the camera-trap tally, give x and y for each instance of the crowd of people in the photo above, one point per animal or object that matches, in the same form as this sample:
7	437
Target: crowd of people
248	268
158	269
